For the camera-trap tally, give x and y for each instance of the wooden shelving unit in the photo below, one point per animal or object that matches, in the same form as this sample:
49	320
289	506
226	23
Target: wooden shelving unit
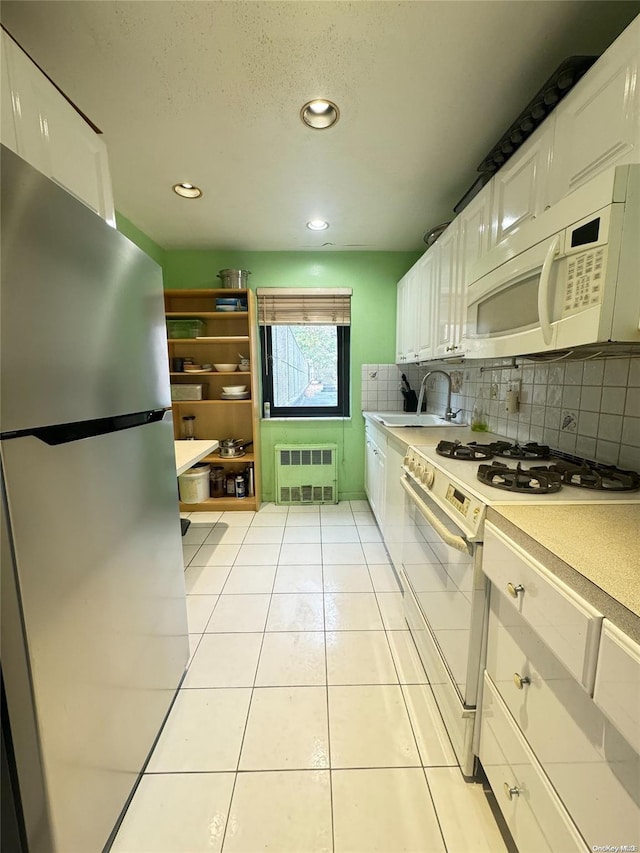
228	335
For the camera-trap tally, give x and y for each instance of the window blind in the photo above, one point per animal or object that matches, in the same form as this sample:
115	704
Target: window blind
304	306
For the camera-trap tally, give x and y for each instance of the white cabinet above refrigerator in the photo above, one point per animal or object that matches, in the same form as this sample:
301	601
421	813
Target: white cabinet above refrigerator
40	125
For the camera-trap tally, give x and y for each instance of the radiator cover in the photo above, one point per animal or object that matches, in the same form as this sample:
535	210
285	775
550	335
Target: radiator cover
306	474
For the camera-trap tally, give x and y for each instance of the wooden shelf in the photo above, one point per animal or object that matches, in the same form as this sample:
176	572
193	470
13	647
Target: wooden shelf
212	373
209	315
209	402
220	505
213	340
231	292
213	458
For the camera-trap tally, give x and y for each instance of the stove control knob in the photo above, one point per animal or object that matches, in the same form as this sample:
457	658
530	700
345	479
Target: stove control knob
418	470
428	477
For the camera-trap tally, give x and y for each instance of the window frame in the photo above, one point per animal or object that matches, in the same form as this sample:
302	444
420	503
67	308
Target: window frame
343	407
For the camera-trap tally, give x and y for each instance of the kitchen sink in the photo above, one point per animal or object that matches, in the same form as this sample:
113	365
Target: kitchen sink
414	420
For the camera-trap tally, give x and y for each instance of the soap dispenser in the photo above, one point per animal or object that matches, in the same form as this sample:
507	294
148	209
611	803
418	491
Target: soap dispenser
479	418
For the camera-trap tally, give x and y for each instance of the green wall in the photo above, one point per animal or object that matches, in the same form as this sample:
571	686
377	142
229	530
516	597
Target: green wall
373	277
126	227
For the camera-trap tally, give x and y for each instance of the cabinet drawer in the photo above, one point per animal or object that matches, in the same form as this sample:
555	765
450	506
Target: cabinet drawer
617	690
591	766
535	816
567	624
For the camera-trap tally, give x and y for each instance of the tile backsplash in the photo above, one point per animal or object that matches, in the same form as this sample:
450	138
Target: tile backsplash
590	408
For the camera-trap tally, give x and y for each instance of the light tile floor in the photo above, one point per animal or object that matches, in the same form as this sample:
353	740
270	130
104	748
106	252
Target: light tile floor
305	722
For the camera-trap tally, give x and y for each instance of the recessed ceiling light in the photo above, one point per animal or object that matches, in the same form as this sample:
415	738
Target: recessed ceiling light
319	114
187	190
317	225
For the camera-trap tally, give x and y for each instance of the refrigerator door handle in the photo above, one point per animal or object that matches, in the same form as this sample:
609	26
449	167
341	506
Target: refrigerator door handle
65	433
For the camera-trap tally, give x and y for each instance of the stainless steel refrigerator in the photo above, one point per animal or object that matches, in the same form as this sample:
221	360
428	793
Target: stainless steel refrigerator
94	631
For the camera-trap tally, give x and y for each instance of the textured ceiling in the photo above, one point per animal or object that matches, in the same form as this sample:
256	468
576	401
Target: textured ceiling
210	92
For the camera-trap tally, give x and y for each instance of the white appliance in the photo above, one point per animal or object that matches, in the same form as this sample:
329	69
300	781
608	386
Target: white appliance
436	549
568	278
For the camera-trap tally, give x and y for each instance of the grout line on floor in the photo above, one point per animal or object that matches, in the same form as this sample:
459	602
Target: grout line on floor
326	690
297	769
435	810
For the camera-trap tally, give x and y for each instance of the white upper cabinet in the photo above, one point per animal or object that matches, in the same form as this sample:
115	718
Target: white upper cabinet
407	318
432	295
426	276
40	125
520	188
8	124
474	224
447	296
401	310
598	123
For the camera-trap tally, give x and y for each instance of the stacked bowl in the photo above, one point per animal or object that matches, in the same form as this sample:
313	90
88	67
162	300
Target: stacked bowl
224	303
234	392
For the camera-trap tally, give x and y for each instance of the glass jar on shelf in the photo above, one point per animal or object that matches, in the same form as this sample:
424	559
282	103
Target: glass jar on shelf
189	427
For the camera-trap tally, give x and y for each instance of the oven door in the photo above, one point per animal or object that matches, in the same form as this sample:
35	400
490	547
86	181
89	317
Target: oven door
445	607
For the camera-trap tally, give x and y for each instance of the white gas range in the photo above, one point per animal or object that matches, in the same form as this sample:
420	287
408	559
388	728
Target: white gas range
439	561
454	485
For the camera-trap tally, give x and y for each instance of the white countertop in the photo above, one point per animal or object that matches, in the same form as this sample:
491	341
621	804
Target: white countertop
190	452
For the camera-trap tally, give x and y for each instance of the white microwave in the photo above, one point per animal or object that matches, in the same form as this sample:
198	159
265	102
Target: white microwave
568	278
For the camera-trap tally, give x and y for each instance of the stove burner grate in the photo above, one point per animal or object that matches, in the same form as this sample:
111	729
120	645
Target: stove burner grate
601	478
471	452
532	450
538	482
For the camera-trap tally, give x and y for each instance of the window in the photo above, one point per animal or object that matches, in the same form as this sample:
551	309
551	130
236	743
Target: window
304	335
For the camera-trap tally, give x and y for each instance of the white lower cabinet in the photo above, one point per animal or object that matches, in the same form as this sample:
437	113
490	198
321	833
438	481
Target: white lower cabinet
568	624
592	768
395	526
534	814
617	690
375	470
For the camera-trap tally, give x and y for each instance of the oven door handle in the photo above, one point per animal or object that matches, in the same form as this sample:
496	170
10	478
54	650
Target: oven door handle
457	542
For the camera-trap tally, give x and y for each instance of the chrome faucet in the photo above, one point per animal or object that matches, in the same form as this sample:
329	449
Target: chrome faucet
449	414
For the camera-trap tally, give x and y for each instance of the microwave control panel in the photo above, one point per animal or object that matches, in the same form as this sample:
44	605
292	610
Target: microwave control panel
585	277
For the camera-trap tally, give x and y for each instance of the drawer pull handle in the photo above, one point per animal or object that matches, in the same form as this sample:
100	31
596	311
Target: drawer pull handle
520	680
511	791
514	590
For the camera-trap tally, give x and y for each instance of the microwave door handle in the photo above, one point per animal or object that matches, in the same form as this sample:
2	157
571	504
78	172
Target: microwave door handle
457	542
543	291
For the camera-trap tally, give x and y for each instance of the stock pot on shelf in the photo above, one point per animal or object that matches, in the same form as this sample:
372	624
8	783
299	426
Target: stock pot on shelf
230	448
